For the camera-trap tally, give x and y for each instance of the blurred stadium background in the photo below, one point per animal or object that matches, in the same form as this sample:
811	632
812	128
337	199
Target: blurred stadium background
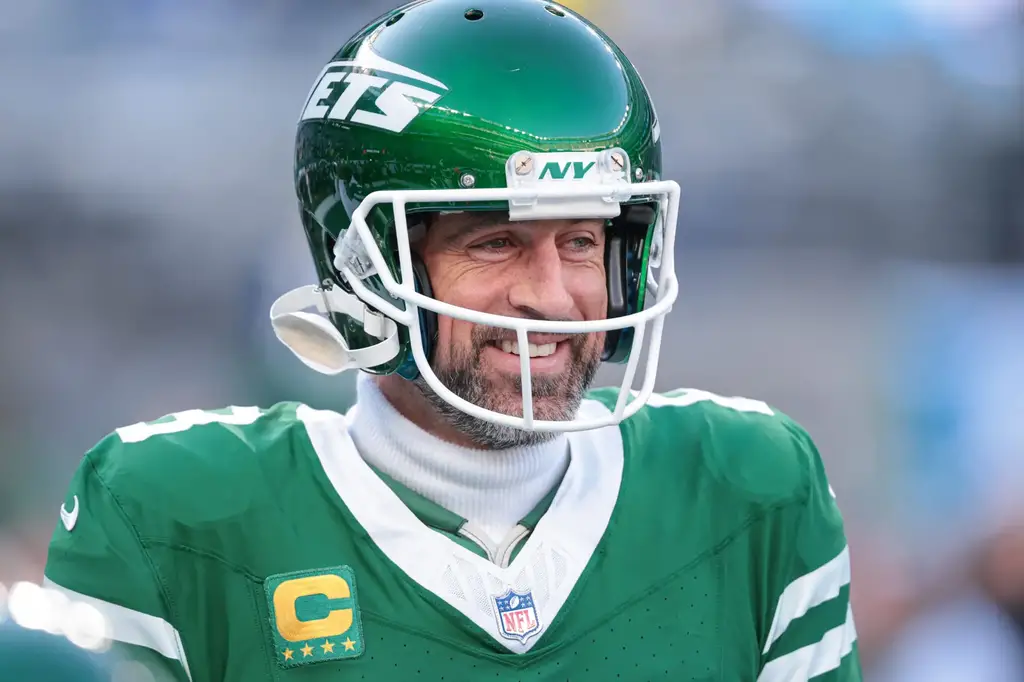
851	250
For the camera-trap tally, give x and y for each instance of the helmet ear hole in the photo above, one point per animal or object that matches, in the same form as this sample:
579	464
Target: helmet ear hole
321	244
329	243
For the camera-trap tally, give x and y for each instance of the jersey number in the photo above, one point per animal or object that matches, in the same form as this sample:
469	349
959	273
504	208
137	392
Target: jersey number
183	421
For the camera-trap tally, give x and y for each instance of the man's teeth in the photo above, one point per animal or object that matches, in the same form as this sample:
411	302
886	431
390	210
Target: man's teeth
536	351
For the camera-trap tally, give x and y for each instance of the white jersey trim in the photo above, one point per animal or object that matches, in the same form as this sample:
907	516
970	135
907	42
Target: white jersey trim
132	627
551	560
807	591
684	397
817	659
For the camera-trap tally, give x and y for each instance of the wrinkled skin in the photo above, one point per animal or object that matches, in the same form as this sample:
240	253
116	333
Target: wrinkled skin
544	270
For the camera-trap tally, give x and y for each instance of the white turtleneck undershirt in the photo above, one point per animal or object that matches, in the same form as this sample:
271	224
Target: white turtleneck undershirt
492	488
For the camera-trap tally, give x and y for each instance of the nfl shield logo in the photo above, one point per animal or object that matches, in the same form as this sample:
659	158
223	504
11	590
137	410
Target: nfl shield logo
517	616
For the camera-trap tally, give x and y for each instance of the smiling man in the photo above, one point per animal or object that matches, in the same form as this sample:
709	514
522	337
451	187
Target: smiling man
481	190
539	270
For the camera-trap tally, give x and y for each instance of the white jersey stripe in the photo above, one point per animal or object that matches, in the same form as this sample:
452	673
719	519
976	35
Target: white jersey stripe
817	659
132	627
807	591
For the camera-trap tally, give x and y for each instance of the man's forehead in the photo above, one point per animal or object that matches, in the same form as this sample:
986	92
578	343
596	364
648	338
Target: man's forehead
481	218
464	221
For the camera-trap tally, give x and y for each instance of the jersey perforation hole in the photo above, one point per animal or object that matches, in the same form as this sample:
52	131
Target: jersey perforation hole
474	14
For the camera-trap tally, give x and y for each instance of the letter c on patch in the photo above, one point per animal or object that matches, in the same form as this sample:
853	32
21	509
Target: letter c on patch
295	630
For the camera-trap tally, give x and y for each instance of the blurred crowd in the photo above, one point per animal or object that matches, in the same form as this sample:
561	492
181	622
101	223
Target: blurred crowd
851	249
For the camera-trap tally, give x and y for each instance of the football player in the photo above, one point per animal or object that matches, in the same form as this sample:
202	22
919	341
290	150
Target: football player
481	190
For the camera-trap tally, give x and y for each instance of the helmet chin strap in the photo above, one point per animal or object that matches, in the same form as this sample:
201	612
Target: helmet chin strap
317	343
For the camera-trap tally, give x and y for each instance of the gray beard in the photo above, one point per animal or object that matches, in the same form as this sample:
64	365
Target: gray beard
462	377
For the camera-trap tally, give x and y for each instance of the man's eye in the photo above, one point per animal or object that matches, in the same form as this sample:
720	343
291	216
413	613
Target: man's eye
581	243
494	244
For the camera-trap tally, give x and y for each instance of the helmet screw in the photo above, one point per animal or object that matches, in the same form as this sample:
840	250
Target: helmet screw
638	173
618	161
467	180
523	163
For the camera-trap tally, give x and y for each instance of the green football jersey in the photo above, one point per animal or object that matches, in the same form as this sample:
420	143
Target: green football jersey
697	540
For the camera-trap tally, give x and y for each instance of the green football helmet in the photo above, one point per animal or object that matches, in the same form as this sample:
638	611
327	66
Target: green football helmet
510	105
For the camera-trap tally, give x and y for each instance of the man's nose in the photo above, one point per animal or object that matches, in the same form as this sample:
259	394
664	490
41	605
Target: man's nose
540	288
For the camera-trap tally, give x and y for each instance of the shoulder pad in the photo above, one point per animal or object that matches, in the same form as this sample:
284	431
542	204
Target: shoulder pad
756	451
195	465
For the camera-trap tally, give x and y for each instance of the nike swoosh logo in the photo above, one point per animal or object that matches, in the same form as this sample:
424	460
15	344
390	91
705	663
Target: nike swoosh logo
69	518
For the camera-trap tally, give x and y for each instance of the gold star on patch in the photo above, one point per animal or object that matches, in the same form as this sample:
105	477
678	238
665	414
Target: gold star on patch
288	654
328	647
349	644
307	650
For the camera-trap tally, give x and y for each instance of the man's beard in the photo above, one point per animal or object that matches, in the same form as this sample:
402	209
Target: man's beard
463	377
